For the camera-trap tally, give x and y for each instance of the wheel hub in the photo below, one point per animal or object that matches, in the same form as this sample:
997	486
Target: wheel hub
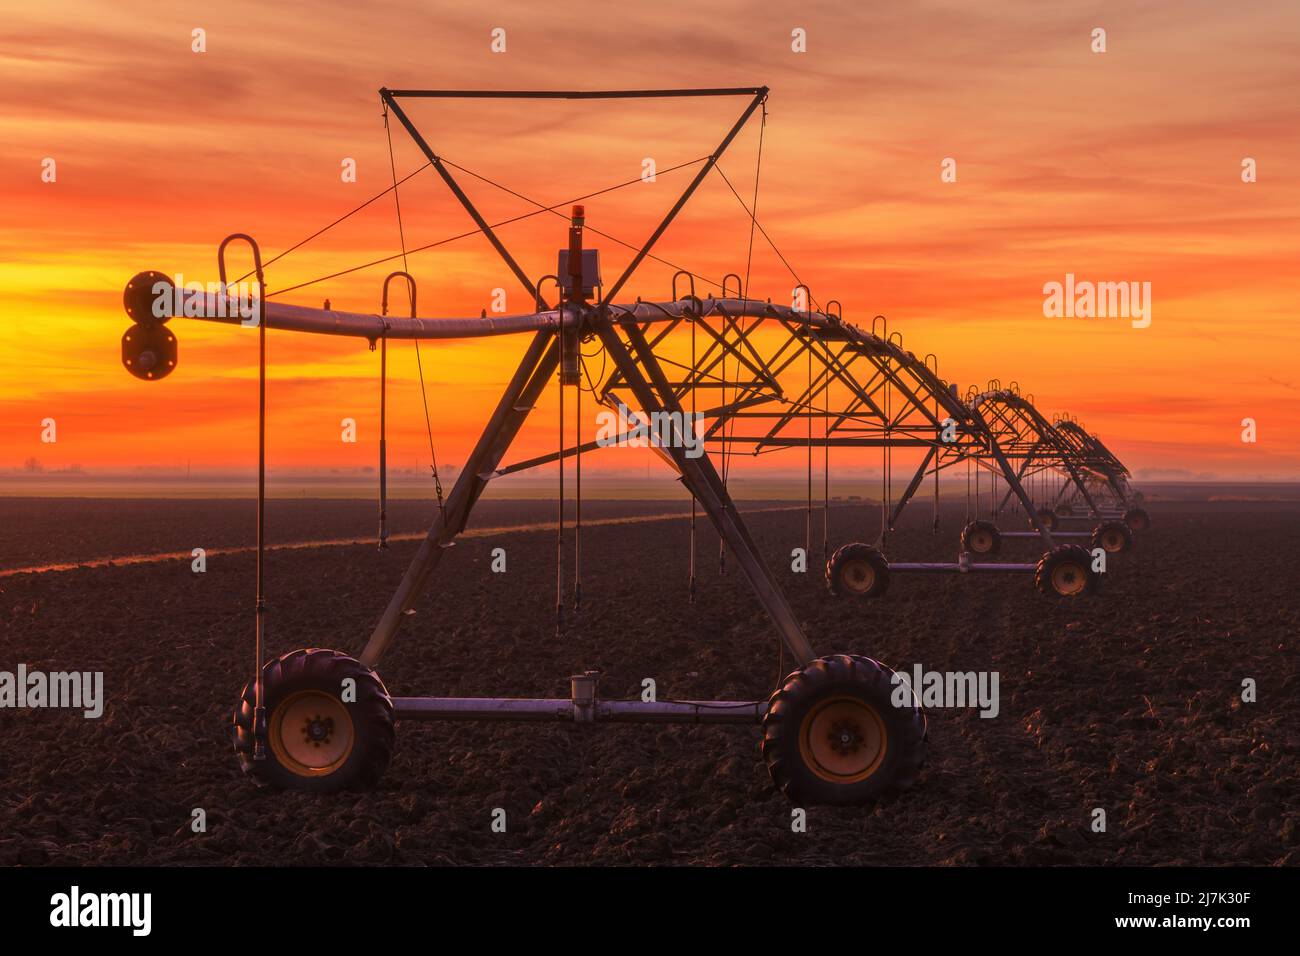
843	739
1068	579
859	575
318	730
311	733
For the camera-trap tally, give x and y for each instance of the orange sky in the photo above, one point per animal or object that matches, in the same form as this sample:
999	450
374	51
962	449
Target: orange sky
1122	166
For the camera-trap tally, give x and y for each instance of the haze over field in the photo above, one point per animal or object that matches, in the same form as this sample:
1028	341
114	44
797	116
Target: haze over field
1124	166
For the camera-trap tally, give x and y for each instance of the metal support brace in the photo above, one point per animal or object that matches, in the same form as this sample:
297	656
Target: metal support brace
702	479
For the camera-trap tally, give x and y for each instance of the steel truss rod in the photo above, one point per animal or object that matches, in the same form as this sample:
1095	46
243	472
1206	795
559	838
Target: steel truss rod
1099	461
861	422
459	193
572	94
540	363
899	401
594	445
702	480
1026	425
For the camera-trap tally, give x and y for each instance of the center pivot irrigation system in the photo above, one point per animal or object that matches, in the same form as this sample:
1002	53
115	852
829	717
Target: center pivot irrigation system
1054	467
740	373
1104	474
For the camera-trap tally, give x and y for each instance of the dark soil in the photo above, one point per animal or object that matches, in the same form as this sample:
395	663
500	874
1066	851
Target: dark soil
1129	701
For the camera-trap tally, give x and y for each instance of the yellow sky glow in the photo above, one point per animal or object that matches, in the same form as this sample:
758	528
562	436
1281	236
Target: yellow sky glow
1122	166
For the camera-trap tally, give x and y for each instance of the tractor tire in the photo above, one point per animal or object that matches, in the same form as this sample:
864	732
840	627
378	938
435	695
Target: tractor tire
1137	519
1047	518
981	537
834	734
1066	572
857	570
1113	537
315	740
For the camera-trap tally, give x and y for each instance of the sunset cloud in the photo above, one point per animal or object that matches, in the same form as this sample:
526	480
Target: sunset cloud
1123	166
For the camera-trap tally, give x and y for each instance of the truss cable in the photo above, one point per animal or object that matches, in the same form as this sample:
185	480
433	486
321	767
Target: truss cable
753	225
886	460
259	726
937	413
935	525
383	437
993	477
474	232
428	427
753	213
419	364
826	452
762	231
690	587
559	516
889	470
884	486
259	710
577	489
807	328
727	430
586	373
397	199
347	215
968	489
729	426
555	209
